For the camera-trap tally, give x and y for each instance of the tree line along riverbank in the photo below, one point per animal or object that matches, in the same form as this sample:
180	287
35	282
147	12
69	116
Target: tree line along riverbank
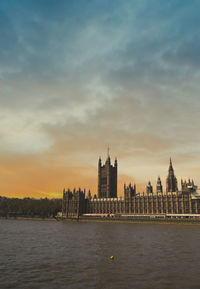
29	207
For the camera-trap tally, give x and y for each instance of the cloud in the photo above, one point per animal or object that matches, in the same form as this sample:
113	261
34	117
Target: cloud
76	76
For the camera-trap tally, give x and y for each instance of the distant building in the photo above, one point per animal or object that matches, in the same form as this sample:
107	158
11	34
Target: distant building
171	182
107	179
185	201
159	188
74	203
129	194
188	186
149	188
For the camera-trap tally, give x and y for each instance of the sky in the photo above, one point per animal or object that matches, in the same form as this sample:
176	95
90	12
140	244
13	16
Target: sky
77	76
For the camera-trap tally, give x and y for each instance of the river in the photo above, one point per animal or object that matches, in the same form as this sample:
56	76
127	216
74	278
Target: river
48	254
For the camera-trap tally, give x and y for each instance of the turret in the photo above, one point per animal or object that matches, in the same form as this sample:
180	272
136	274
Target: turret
99	178
149	188
89	196
129	194
171	181
159	187
115	162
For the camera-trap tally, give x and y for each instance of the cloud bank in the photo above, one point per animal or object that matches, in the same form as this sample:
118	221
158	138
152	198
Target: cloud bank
76	76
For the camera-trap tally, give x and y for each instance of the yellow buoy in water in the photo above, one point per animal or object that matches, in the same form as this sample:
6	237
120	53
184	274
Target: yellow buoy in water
111	257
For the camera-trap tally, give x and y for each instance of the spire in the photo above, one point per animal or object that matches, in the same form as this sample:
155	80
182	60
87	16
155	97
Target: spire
170	165
108	155
149	188
171	182
158	180
108	151
159	187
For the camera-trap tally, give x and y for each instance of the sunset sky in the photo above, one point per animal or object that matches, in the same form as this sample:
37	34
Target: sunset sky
78	75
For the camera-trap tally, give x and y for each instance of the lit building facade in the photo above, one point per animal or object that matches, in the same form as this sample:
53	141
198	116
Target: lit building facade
173	201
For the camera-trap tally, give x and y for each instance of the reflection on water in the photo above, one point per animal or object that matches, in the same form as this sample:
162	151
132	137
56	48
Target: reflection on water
46	254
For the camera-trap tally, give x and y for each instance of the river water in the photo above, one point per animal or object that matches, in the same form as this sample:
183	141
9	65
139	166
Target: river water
47	254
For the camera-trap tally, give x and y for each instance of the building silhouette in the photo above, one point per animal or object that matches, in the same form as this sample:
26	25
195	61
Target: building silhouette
107	179
149	188
171	182
171	203
159	187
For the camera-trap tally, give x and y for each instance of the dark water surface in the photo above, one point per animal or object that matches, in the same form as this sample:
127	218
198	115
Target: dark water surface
46	254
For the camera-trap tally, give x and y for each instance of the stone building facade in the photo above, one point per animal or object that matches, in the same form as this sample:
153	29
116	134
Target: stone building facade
76	203
73	203
107	179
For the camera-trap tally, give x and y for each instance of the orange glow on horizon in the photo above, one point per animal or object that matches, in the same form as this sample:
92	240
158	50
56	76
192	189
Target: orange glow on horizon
27	177
45	176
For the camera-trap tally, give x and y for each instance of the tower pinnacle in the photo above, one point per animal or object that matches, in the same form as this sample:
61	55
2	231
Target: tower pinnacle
108	151
170	165
171	182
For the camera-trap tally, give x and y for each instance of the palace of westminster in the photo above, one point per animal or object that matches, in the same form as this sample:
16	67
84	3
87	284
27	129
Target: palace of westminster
171	202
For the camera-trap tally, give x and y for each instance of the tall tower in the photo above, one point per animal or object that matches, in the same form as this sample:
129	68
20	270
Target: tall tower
149	188
171	182
107	179
159	187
